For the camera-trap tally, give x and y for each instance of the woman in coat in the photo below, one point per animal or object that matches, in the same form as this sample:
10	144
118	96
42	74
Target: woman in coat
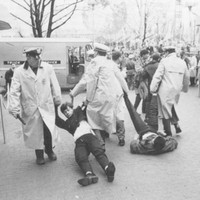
34	93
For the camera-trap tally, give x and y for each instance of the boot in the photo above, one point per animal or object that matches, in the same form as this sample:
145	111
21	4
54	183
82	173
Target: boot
178	128
167	127
88	179
51	155
39	156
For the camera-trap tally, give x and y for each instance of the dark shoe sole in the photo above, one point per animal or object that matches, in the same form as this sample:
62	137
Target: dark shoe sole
178	130
88	180
110	172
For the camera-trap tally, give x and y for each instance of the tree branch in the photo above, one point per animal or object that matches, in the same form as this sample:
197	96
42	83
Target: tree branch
21	19
68	6
21	5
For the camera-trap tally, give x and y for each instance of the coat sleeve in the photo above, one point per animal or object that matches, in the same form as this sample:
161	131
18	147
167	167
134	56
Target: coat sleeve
157	78
14	95
55	87
121	79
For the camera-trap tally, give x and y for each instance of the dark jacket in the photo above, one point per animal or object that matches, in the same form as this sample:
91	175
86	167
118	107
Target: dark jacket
71	123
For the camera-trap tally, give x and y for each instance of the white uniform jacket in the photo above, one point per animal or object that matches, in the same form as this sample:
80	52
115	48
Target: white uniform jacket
170	78
34	96
103	83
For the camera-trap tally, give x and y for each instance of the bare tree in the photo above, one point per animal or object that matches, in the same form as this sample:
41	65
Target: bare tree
45	16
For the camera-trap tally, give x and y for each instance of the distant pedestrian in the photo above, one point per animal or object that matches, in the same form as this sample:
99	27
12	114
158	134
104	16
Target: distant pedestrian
34	93
86	142
9	75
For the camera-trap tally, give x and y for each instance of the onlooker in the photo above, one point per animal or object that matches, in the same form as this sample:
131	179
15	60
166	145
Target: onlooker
170	78
33	94
130	71
9	75
86	143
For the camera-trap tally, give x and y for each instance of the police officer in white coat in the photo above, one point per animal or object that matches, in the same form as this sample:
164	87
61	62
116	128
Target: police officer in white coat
170	78
33	95
103	91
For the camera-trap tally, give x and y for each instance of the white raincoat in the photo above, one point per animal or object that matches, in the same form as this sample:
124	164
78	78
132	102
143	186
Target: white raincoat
170	78
103	82
34	96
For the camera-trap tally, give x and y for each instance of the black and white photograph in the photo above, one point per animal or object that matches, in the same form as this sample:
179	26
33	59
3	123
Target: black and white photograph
99	99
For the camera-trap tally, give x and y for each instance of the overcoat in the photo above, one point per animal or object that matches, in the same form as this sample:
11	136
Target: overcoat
104	84
170	78
34	96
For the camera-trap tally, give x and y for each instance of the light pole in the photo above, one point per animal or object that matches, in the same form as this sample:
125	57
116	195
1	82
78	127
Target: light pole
92	3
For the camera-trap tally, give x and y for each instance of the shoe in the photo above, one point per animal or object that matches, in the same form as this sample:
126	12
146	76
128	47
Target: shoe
121	142
110	172
52	156
39	157
178	129
88	179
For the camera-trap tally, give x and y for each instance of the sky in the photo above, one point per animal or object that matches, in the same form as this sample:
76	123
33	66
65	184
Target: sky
162	11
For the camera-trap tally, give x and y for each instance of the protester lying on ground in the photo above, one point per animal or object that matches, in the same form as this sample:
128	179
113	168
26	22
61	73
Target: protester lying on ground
148	142
85	143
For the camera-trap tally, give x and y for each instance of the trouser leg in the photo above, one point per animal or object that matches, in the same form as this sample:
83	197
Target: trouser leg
81	156
167	126
137	101
96	149
120	132
100	138
47	139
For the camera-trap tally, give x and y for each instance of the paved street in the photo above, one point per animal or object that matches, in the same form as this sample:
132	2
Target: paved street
171	176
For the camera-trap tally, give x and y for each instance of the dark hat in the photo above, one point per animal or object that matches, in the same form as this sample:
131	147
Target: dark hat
101	48
33	51
65	105
159	143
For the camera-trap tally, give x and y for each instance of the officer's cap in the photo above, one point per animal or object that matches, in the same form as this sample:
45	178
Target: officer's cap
101	47
170	48
90	52
33	51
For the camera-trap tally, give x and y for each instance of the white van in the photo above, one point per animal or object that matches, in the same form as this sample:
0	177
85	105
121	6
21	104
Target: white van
67	55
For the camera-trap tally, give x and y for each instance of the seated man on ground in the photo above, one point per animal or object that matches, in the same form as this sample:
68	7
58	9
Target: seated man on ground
85	143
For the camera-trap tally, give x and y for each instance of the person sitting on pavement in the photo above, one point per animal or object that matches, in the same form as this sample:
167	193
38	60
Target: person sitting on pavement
85	143
149	141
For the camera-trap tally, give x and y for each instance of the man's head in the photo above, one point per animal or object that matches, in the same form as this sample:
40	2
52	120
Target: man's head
101	49
117	56
144	54
156	57
169	49
157	141
13	66
67	109
33	56
90	54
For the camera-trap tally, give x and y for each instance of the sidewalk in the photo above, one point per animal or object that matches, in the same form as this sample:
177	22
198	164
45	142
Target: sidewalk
173	176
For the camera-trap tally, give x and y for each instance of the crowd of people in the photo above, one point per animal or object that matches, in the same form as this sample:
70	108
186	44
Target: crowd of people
157	78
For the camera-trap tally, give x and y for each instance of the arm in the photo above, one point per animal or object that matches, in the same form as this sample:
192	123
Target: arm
186	80
121	79
14	95
59	121
157	78
55	88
